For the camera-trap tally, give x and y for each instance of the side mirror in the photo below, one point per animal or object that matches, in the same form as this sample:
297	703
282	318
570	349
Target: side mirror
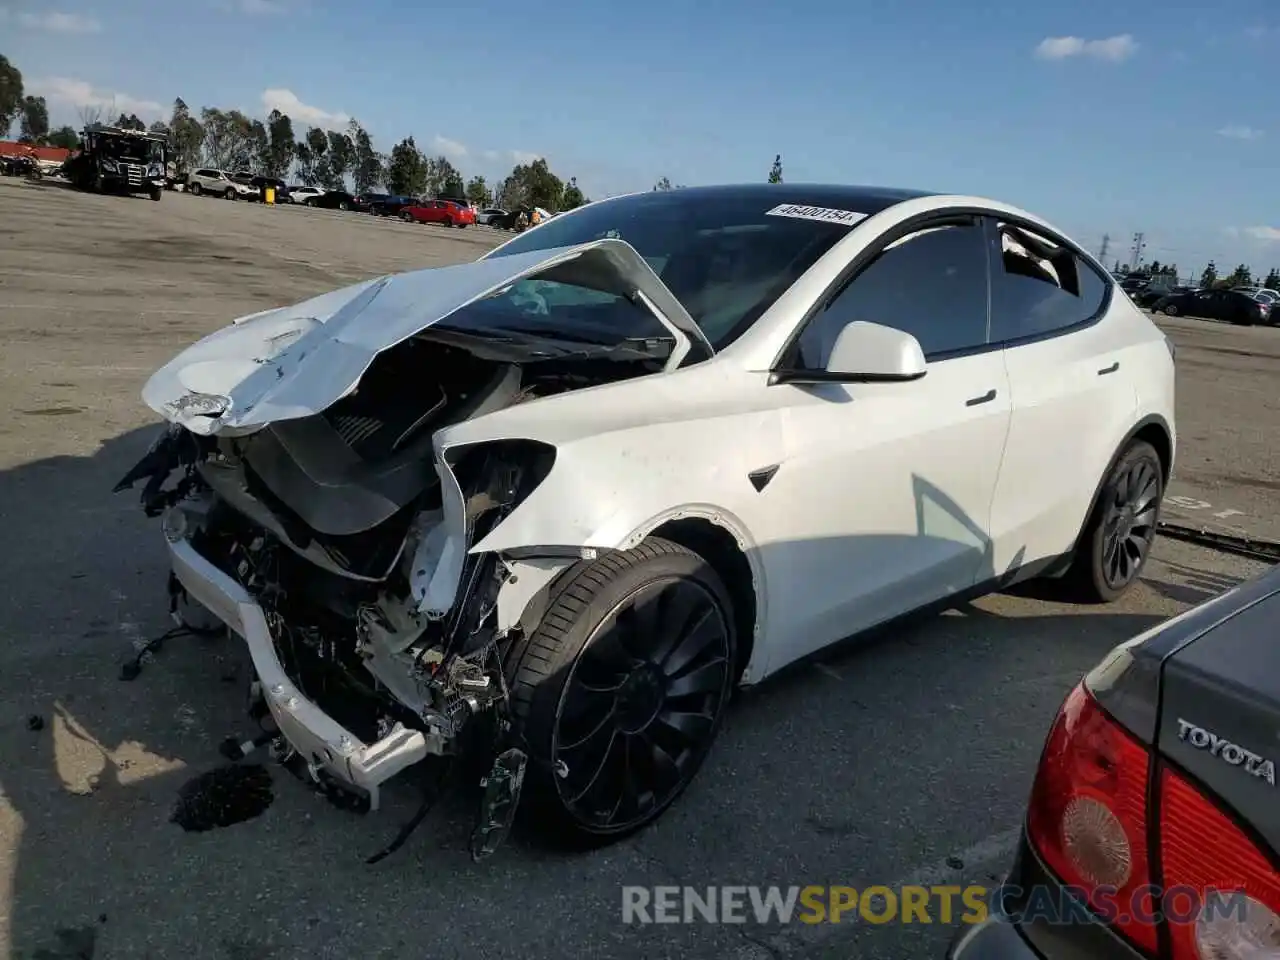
866	353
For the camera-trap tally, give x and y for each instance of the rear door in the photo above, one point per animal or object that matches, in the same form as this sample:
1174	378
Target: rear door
1073	398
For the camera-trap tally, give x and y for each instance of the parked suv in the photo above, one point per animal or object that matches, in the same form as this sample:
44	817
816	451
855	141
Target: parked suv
220	183
303	194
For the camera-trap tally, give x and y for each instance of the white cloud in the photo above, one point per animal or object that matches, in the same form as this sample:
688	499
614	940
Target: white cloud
1237	131
287	102
1265	234
66	91
490	154
53	21
1113	49
524	156
450	148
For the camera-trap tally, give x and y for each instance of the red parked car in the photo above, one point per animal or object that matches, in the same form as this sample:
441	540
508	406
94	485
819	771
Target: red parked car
448	212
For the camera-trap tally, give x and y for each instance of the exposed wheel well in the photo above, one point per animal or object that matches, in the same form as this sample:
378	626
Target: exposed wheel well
719	548
1156	435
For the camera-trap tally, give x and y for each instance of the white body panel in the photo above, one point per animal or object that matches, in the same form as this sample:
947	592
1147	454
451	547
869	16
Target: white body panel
887	496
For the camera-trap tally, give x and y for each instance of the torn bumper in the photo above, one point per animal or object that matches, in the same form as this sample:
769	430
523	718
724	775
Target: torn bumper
324	742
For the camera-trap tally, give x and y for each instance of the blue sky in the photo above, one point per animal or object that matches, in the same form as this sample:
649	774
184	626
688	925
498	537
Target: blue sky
1104	117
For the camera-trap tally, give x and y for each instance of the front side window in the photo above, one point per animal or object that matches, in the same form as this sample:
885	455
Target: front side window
1039	287
931	284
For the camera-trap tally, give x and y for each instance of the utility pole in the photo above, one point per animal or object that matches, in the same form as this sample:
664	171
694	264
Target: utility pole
1106	244
1139	244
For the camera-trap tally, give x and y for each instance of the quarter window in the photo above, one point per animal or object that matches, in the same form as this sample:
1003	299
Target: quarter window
1039	287
931	283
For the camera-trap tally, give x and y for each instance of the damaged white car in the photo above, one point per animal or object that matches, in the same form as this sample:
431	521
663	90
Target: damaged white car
568	496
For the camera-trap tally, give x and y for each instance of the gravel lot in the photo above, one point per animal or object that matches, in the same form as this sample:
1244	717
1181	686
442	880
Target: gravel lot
903	759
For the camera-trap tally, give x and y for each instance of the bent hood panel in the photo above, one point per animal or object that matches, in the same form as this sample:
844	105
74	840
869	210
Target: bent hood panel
297	361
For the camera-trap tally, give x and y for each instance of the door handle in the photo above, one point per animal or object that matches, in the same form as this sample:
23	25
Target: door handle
1111	369
985	398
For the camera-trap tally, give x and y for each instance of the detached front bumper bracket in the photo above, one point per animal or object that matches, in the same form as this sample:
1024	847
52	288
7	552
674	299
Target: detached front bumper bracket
317	737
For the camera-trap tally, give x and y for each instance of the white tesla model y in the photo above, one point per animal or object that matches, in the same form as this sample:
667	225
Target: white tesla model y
656	447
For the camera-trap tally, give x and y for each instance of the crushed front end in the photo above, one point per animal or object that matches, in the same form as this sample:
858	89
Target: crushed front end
361	675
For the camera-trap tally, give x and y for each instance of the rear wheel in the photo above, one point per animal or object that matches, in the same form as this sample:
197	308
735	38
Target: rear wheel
406	218
157	193
1170	309
229	193
194	189
1117	539
620	690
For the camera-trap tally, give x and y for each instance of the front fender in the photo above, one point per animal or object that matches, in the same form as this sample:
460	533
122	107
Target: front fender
609	491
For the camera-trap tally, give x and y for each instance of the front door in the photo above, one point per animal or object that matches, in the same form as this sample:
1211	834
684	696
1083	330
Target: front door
884	493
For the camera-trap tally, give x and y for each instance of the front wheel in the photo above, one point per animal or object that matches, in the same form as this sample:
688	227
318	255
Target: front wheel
343	205
620	690
1117	539
194	189
230	194
1170	310
157	193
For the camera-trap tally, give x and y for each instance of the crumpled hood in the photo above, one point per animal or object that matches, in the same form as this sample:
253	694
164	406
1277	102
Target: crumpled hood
296	361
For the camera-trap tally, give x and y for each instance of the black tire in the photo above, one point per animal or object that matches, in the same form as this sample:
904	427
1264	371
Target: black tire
194	189
1170	310
343	205
571	667
229	193
157	193
406	218
1116	542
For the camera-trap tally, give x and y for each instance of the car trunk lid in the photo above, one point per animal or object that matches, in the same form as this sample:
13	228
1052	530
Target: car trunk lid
1220	712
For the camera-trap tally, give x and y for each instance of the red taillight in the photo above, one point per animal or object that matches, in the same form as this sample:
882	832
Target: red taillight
1206	855
1087	817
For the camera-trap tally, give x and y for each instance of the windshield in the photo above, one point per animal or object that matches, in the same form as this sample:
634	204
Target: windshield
140	148
724	255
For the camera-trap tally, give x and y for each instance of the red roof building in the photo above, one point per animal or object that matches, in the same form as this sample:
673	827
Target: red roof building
11	148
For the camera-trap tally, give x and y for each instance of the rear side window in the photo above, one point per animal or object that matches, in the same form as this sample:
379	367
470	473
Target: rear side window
1039	286
931	284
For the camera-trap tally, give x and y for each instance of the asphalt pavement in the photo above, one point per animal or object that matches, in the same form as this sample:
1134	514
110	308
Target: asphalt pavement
903	759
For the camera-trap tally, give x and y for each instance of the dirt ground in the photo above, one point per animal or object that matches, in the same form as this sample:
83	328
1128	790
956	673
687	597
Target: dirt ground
830	774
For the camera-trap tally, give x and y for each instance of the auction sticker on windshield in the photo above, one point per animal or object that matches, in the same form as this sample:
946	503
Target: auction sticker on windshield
799	211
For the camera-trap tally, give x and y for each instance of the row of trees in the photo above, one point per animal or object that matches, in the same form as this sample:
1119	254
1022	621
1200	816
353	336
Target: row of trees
333	159
1241	276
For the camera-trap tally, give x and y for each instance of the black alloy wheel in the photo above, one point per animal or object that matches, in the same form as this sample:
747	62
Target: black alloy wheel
620	690
1129	524
640	704
1122	527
